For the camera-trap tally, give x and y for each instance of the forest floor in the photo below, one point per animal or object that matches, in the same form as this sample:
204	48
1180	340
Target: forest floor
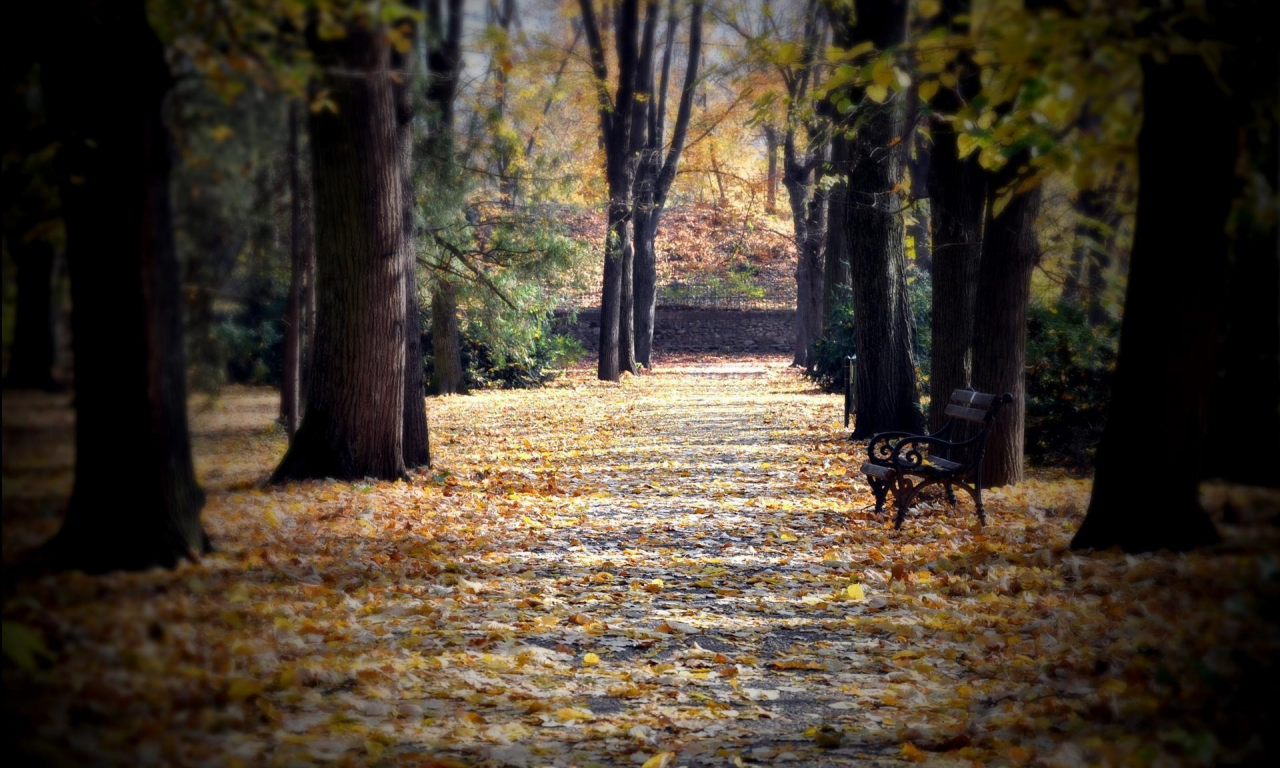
681	569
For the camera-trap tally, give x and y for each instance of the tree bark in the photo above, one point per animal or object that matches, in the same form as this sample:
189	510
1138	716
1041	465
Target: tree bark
657	175
446	339
354	423
615	130
771	180
957	199
130	379
290	386
1169	335
1009	255
873	237
416	438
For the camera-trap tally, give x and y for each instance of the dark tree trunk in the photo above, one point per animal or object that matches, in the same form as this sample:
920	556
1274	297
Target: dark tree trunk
130	377
416	439
957	198
445	339
1009	255
1172	312
290	386
771	180
645	282
837	279
615	131
1095	250
873	238
354	422
32	356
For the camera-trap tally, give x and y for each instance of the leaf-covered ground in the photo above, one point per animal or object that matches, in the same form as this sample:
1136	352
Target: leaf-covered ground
678	570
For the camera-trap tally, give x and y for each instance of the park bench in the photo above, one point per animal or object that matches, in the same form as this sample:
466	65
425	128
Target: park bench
907	463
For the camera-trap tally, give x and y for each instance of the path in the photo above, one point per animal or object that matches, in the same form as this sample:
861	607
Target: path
676	570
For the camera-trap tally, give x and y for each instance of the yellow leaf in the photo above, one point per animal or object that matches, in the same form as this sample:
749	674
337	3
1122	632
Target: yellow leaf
654	586
532	523
928	89
660	760
570	714
221	133
855	592
242	688
877	93
928	8
590	660
913	753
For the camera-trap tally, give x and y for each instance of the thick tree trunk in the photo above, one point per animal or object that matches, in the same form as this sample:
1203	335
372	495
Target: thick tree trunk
130	377
354	422
290	386
609	367
957	200
1169	336
446	343
1009	254
874	240
34	338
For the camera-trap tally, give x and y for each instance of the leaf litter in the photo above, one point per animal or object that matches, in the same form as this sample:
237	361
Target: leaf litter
683	569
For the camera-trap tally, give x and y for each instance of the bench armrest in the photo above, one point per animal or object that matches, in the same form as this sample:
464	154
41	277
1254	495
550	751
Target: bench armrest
906	452
879	450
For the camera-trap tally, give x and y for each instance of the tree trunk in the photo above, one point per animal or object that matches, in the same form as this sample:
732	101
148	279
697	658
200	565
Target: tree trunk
34	339
875	243
290	386
837	280
626	310
645	282
1172	312
130	377
615	131
771	181
354	422
446	341
658	173
957	200
416	440
1009	255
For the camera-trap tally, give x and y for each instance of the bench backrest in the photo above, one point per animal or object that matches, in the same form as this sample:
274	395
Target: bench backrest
977	407
969	414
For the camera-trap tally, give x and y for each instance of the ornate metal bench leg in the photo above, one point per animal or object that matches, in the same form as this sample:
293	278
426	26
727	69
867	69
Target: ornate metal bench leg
977	497
880	489
902	497
951	495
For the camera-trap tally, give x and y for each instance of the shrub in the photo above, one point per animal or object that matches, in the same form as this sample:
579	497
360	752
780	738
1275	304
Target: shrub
1069	370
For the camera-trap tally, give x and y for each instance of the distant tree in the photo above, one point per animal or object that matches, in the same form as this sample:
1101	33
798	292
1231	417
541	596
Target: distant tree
804	141
655	171
130	372
417	437
354	421
615	115
867	217
444	67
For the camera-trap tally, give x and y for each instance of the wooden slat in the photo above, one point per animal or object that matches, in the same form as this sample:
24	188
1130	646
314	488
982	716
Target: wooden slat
966	414
877	470
946	465
971	399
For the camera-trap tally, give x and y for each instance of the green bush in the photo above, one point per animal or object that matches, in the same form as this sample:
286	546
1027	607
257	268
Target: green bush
1069	370
486	368
839	339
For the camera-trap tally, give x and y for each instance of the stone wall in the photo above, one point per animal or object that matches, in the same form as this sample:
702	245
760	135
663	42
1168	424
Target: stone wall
698	330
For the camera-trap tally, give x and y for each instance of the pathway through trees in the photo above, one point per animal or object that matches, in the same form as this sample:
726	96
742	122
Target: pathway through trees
602	574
